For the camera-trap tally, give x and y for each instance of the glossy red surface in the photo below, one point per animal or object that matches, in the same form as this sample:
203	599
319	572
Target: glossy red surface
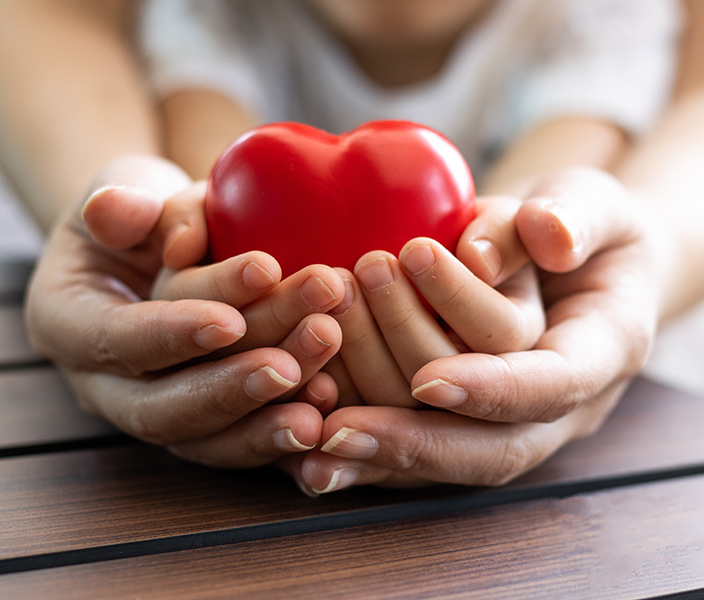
306	196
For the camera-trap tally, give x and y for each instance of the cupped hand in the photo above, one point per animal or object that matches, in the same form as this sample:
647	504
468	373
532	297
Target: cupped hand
146	365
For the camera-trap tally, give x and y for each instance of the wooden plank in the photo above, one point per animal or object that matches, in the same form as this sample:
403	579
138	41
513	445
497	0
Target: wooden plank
38	408
14	347
635	542
69	501
133	495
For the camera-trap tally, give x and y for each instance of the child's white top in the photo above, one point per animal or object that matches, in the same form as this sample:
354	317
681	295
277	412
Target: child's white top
530	60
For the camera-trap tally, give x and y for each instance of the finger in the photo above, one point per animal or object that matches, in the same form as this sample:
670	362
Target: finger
567	220
236	281
192	402
260	438
590	342
490	246
486	319
314	289
368	360
402	447
312	344
139	337
409	330
347	392
181	233
128	198
321	392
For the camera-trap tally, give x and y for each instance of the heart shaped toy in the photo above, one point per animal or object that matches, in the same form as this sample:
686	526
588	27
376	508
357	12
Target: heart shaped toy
306	196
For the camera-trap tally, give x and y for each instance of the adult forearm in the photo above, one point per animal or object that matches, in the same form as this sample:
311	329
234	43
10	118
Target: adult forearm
71	98
666	170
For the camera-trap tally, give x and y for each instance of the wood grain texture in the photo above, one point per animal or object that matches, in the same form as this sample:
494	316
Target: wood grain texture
89	499
37	407
637	542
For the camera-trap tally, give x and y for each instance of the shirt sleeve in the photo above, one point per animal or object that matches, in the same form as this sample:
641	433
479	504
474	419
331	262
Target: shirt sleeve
608	59
189	44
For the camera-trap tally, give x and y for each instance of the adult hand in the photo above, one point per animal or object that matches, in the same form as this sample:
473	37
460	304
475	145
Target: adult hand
146	365
505	413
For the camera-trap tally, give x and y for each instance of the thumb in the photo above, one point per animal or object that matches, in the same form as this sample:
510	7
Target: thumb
572	216
127	198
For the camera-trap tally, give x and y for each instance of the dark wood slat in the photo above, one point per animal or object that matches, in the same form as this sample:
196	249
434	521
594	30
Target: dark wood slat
635	542
38	407
14	345
73	500
88	499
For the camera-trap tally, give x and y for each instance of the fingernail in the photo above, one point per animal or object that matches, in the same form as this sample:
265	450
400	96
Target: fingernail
174	236
265	384
285	440
213	337
257	277
310	344
346	301
489	256
440	393
99	192
341	478
350	443
566	224
315	293
375	274
418	258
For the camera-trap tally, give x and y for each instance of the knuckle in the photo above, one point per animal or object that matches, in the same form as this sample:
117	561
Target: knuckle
103	354
281	319
215	399
452	298
410	454
357	338
400	319
512	335
515	398
490	402
222	288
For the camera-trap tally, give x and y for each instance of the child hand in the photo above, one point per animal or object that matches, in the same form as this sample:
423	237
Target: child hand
388	335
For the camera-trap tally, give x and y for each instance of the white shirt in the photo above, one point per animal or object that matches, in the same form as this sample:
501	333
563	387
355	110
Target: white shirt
527	62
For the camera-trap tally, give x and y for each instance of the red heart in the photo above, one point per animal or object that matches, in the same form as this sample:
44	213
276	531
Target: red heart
306	196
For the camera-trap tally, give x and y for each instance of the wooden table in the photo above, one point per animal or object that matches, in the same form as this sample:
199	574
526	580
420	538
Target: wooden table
88	513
